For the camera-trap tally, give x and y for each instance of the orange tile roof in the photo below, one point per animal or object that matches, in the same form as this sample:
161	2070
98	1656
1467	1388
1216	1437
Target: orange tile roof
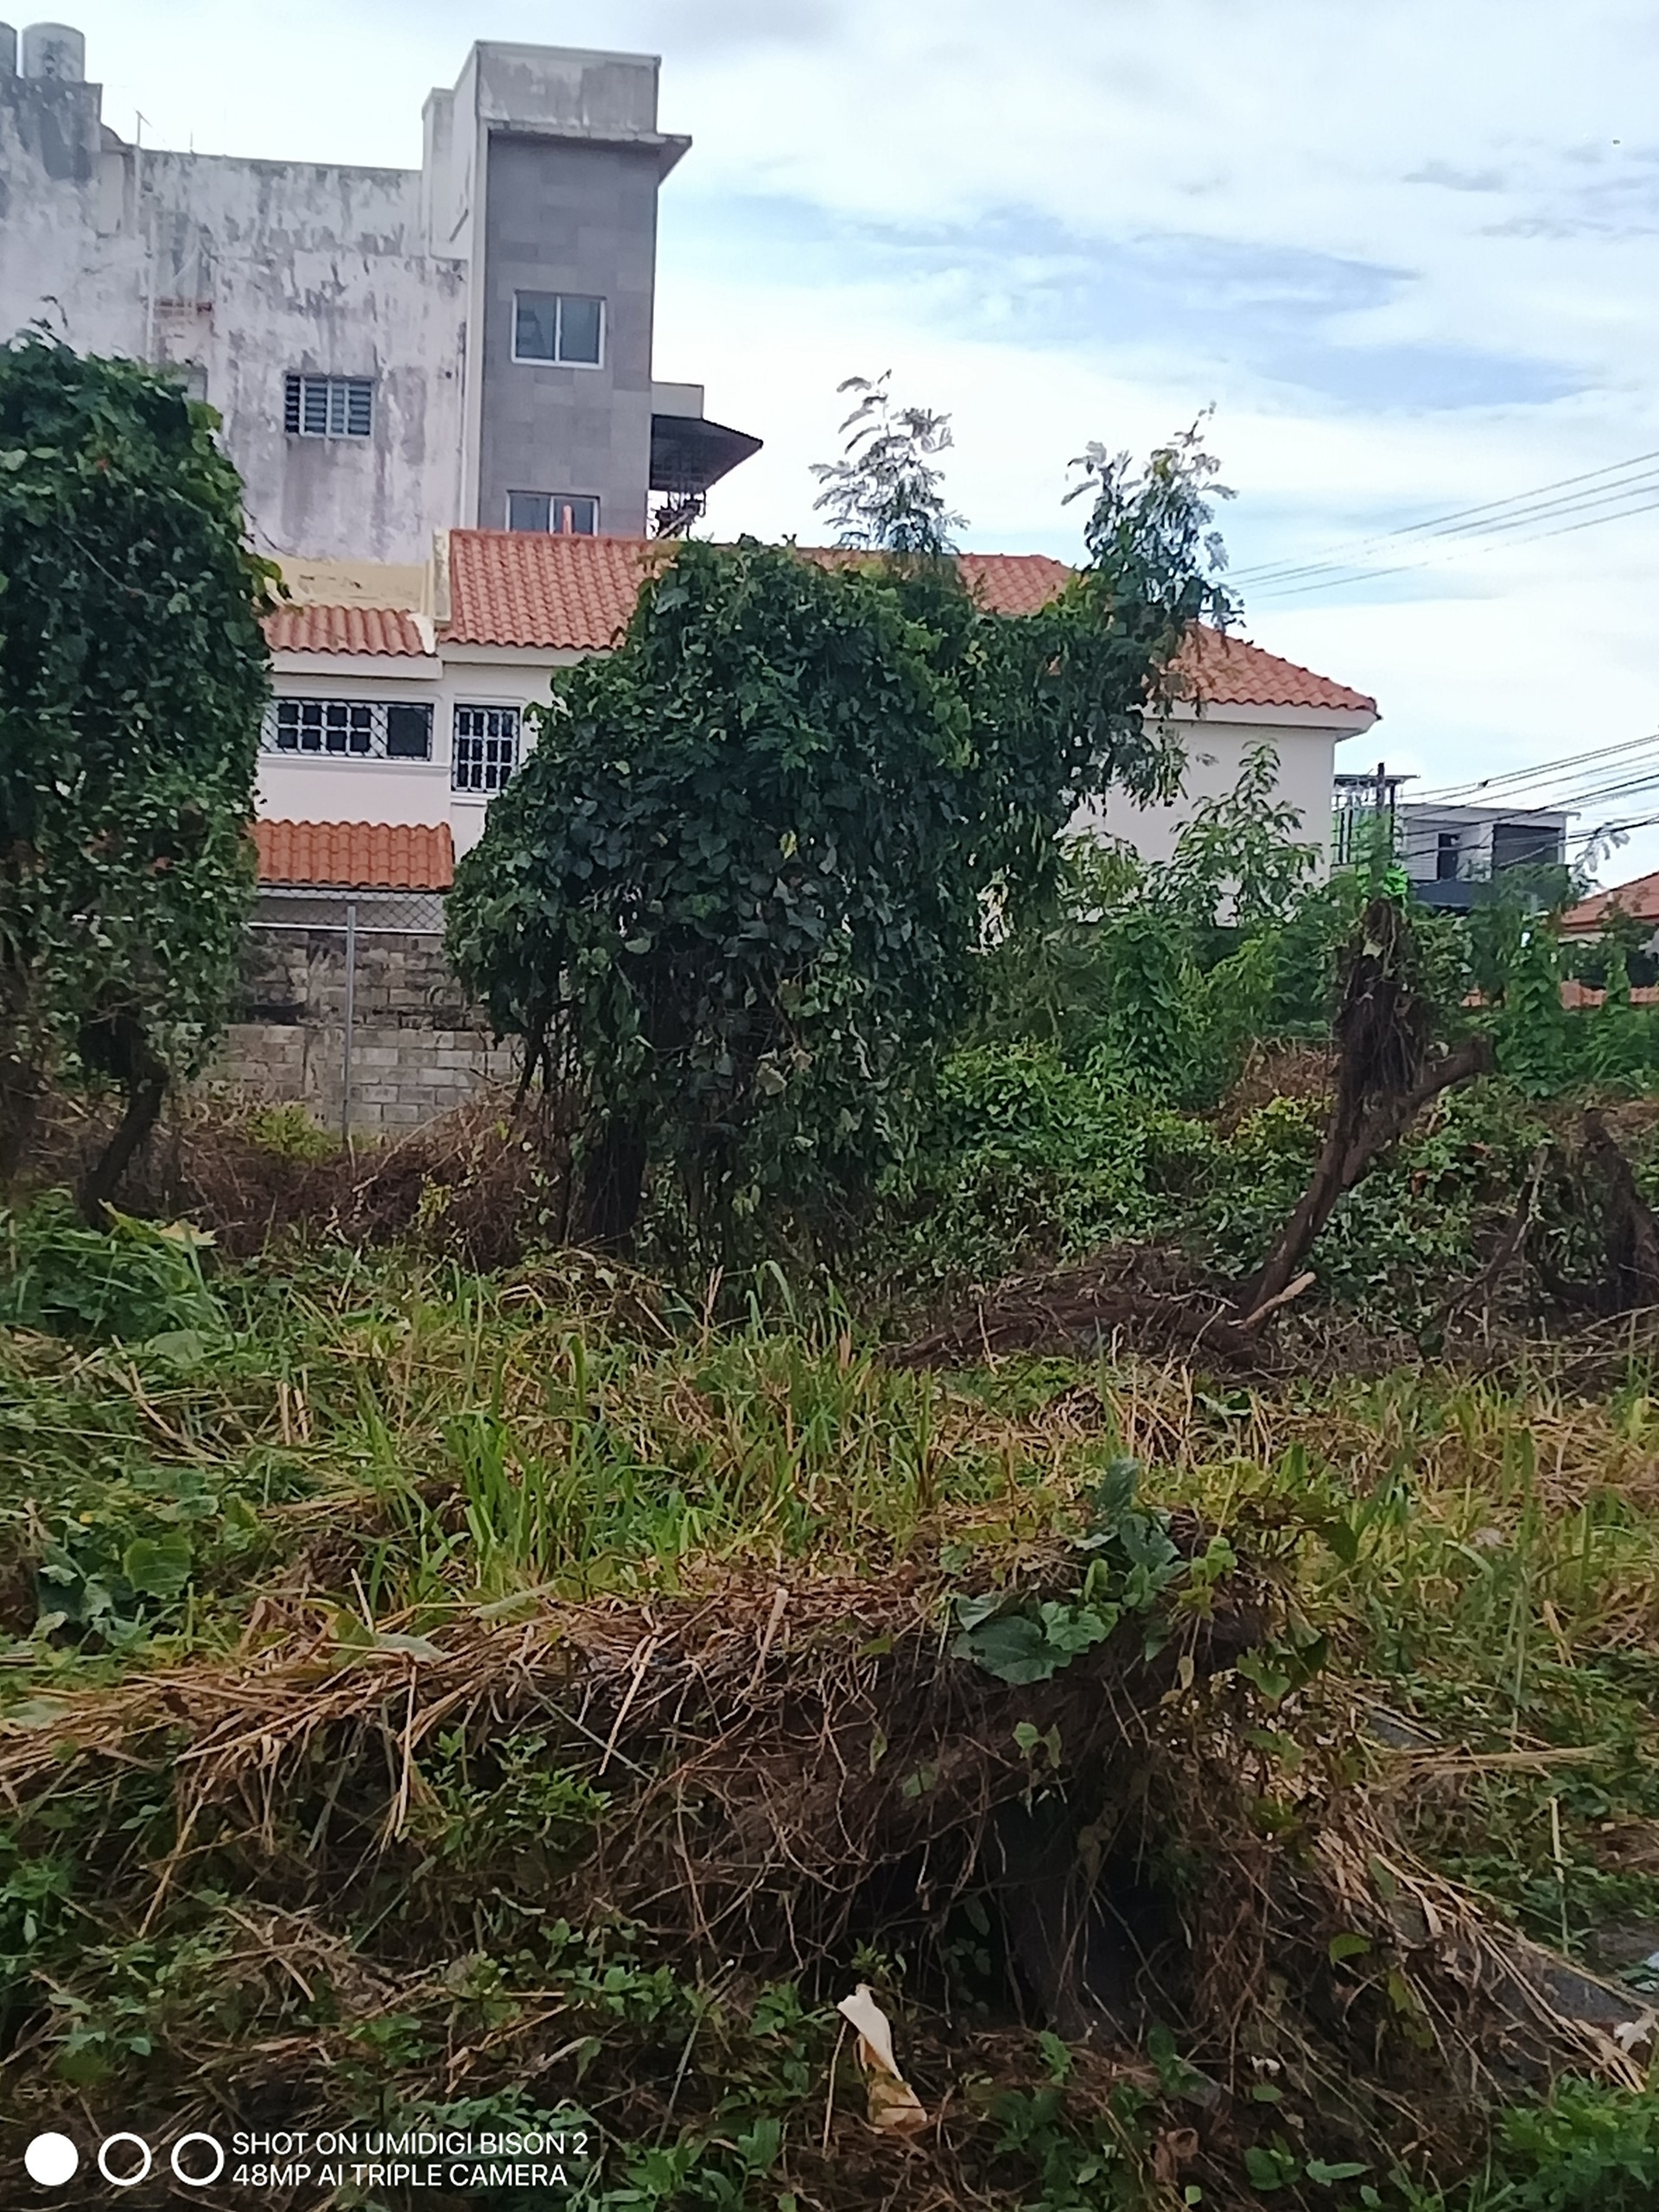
1639	898
1230	671
378	630
356	856
545	593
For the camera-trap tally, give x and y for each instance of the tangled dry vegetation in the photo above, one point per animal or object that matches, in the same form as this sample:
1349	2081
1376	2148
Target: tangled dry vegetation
762	1775
563	1699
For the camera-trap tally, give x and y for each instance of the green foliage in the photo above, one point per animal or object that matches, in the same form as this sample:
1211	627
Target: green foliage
513	1801
1131	1561
1532	1025
289	1133
140	1281
735	892
1028	1160
1161	976
884	495
132	680
1588	2149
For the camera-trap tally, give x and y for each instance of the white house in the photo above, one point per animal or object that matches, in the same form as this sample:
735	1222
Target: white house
400	693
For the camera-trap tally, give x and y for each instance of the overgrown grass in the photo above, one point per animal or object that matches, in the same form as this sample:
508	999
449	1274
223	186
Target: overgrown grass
349	1450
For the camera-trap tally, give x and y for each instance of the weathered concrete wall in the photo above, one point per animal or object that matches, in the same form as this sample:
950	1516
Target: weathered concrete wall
247	271
418	1049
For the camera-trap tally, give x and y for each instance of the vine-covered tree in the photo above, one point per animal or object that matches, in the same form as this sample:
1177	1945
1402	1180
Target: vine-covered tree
735	895
132	678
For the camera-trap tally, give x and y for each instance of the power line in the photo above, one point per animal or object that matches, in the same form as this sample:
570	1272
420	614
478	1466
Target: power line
1352	575
1496	526
1435	525
1535	769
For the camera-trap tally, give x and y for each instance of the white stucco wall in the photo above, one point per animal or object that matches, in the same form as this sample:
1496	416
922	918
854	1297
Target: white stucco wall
307	788
1217	743
313	790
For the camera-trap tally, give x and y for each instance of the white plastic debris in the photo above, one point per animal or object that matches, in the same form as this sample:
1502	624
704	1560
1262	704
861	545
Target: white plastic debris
894	2107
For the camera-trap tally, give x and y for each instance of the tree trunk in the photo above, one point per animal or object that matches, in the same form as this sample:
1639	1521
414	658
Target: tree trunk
1355	1137
1632	1237
613	1188
145	1098
21	1091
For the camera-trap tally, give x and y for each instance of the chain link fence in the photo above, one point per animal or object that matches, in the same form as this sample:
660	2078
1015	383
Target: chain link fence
350	1008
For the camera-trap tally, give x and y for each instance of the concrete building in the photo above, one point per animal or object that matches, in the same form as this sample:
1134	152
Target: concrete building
1448	852
394	353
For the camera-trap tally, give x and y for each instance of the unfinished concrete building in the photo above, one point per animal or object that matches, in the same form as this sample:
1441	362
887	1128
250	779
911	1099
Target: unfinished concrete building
394	353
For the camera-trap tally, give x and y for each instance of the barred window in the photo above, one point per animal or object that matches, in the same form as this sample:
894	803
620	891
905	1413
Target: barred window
557	327
329	407
349	729
487	747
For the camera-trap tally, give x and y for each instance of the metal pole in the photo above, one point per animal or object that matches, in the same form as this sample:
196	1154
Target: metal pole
351	1014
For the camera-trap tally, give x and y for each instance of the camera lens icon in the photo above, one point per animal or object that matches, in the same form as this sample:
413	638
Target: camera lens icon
51	2160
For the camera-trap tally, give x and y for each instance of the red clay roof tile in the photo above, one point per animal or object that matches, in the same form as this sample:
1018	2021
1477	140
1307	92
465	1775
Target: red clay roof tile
1639	898
356	856
378	630
541	592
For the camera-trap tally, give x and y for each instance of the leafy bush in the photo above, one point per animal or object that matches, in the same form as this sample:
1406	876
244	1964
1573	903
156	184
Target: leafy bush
140	1281
133	673
1589	2149
734	897
1028	1159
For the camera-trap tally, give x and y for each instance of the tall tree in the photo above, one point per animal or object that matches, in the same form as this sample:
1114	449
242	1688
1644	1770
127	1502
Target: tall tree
885	494
133	672
735	895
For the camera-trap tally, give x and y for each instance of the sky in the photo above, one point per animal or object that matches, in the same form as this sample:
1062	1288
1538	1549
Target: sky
1407	253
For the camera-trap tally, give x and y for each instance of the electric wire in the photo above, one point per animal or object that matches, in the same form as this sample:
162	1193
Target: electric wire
1352	575
1535	769
1460	519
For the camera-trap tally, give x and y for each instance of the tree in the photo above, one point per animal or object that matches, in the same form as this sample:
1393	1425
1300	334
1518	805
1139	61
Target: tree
132	678
884	495
735	895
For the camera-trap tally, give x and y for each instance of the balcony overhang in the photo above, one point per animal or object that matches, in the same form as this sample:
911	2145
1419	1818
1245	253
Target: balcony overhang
688	453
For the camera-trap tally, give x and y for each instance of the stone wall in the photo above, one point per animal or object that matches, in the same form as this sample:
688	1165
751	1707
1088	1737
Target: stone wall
418	1049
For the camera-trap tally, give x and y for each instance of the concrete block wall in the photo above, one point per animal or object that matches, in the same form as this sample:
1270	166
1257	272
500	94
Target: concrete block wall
418	1049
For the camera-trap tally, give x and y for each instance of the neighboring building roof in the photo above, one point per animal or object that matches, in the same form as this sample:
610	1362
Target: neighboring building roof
548	593
356	856
1639	898
1229	671
375	630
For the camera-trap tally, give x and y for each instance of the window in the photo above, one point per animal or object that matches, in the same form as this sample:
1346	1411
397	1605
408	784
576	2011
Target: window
348	730
487	747
1447	855
329	407
568	514
557	327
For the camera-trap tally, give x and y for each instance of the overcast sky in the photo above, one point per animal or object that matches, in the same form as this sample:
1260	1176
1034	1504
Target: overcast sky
1408	251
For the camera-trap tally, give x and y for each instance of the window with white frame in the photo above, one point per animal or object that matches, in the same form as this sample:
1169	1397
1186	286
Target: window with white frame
485	751
567	514
348	730
564	327
329	407
487	747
